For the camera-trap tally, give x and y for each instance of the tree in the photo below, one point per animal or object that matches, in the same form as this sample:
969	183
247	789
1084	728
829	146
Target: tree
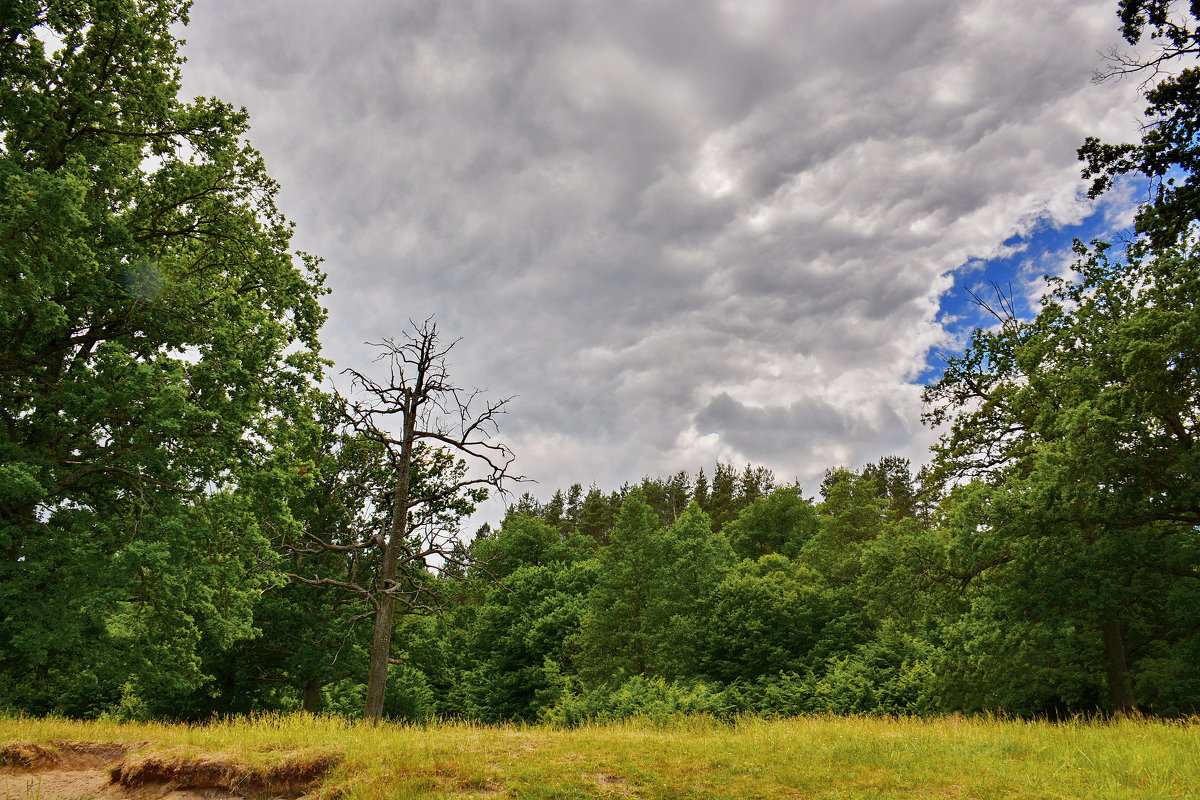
531	590
852	515
574	505
781	522
614	640
1102	388
311	626
1078	428
437	435
754	483
894	482
154	324
722	498
1168	154
696	559
700	491
645	612
768	616
668	497
1083	426
598	514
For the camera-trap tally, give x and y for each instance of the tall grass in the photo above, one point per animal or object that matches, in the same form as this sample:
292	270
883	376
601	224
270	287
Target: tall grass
810	757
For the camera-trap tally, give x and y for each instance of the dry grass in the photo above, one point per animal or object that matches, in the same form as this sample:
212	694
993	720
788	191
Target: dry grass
291	774
813	757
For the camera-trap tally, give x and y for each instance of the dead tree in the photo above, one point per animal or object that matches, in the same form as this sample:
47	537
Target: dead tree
439	444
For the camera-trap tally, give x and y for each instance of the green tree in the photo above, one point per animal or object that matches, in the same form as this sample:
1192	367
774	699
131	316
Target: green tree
754	483
154	324
852	515
552	512
526	541
697	559
532	586
894	482
700	491
769	616
574	505
645	612
312	631
1168	154
722	498
616	638
1082	424
781	522
598	514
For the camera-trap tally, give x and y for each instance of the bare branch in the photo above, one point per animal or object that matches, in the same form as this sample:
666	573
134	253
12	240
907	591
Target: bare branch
438	441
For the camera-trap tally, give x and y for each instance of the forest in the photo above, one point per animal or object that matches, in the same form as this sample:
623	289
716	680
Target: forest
193	524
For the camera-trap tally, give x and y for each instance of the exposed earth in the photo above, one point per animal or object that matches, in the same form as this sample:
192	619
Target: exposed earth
80	770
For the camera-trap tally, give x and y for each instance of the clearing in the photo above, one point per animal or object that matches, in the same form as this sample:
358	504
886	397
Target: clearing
686	759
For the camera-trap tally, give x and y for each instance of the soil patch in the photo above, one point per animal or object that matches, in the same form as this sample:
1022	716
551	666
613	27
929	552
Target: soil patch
59	770
54	785
79	770
61	755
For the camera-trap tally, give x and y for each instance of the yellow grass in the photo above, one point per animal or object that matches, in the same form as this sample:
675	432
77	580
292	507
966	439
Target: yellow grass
813	757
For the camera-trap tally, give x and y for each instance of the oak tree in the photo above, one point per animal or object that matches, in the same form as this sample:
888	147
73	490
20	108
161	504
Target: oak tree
1083	428
154	322
1168	154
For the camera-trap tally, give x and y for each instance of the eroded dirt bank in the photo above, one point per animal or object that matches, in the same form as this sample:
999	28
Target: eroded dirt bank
65	770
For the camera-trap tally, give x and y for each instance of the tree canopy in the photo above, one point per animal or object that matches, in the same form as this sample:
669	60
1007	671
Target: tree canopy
1167	155
190	526
154	327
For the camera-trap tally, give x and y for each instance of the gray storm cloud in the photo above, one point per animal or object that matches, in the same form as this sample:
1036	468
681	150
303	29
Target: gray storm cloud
678	231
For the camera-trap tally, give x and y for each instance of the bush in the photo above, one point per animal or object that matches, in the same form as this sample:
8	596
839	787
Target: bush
409	696
651	699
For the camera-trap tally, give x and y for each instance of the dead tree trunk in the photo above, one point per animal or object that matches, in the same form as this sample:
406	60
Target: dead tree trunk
385	610
437	427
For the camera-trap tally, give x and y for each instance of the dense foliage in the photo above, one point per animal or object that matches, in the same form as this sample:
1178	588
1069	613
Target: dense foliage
189	526
155	335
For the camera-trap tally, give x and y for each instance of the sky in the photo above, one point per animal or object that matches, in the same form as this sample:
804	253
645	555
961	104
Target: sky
677	231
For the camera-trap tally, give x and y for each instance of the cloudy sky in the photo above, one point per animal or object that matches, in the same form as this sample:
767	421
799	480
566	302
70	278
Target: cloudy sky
679	231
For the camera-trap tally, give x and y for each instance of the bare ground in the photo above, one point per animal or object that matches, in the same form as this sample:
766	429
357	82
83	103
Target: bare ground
83	770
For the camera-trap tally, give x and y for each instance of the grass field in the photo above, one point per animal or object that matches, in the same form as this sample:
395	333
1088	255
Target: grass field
813	757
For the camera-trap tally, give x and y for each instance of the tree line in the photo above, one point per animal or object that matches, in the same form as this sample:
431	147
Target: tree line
191	525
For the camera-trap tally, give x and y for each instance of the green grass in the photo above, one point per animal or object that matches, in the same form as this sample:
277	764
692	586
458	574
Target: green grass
812	757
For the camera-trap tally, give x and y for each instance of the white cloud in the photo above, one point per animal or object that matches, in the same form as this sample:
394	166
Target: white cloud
679	231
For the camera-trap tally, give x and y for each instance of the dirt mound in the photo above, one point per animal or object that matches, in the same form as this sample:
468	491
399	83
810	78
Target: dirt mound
76	770
292	775
60	755
58	770
27	757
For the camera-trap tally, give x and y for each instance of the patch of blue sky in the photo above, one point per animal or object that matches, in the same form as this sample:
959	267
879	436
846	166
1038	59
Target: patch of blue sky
1045	249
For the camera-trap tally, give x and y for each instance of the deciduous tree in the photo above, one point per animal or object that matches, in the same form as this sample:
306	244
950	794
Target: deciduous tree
1168	154
1083	426
645	611
154	322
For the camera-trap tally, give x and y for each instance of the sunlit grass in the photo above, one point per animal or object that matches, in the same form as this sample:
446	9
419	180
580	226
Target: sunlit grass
811	757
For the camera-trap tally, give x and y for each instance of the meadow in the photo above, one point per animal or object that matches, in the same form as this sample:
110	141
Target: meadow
809	757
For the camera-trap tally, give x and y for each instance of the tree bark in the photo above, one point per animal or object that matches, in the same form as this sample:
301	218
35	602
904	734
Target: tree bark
381	641
1120	678
429	407
312	696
